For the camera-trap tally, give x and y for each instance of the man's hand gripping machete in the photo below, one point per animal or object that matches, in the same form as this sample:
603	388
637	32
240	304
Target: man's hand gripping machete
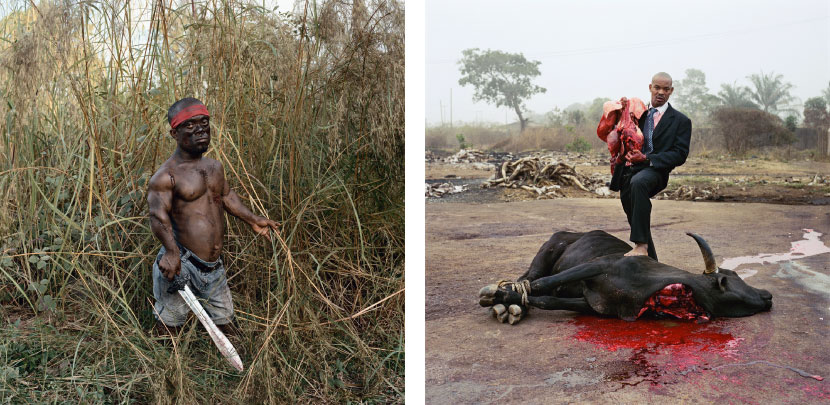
219	339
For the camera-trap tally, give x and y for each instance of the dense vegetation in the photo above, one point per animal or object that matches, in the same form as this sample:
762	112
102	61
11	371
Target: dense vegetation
307	114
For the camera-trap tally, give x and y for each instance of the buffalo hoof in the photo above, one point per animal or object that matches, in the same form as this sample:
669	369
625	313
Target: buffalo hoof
486	301
499	312
515	314
488	290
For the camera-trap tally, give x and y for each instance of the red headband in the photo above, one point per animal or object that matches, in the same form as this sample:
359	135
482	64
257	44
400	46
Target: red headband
188	113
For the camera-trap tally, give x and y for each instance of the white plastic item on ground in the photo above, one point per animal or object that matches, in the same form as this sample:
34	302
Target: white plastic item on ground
219	339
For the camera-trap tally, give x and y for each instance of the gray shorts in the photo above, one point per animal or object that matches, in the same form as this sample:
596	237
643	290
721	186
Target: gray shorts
211	288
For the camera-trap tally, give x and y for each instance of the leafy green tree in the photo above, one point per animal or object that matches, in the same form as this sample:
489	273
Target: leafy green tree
771	92
554	118
743	129
500	78
575	117
816	115
735	96
692	96
462	143
594	111
791	123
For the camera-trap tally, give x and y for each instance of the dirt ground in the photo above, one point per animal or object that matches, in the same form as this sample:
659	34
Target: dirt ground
562	357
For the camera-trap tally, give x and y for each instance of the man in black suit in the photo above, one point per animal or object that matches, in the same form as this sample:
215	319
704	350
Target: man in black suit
667	134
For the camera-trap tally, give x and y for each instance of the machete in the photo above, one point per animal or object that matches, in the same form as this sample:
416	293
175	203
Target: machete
219	339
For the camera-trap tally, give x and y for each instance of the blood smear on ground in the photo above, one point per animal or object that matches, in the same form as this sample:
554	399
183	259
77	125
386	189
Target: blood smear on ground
613	334
673	344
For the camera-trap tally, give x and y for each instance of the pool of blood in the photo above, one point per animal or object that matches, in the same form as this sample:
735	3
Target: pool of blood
662	351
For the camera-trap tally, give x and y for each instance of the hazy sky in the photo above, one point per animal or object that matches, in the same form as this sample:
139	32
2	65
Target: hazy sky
611	49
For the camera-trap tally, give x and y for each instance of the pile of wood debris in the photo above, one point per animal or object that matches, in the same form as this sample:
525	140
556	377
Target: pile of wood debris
817	180
430	157
468	156
691	193
438	190
545	176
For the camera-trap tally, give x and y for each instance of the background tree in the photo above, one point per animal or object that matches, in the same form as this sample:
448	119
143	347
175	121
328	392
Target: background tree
771	92
500	78
791	123
554	118
735	96
574	117
816	115
594	111
826	93
692	96
745	128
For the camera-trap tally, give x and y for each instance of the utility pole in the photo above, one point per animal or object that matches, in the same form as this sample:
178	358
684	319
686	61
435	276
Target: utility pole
441	106
450	107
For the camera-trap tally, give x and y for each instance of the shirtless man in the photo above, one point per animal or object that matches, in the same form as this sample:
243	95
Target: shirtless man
187	198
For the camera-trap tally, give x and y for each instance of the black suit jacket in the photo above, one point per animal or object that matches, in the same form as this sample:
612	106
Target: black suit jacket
671	140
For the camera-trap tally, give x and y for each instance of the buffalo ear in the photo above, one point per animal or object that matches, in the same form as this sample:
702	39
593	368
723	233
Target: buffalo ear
722	282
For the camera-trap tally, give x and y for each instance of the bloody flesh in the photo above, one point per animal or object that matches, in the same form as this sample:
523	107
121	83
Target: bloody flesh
619	128
675	300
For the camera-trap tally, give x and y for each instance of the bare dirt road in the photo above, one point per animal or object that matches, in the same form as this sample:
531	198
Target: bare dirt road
555	357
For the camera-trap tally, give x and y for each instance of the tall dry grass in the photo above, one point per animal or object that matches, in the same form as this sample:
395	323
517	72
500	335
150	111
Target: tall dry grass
307	110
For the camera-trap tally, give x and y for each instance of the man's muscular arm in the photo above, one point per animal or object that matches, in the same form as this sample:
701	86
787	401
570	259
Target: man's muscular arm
160	201
233	205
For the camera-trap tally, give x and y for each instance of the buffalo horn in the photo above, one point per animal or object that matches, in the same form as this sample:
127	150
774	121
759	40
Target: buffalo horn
708	257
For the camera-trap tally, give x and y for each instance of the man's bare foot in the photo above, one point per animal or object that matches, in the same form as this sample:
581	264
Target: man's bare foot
640	249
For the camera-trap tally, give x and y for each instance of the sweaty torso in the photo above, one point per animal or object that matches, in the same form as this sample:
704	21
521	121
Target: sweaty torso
197	210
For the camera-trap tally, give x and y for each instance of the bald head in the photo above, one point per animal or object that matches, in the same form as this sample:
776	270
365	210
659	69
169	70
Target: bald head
662	76
660	88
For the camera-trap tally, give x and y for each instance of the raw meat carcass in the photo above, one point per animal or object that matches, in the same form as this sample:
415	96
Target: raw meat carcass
619	128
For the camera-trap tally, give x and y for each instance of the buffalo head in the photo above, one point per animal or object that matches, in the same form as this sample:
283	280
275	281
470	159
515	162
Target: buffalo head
729	295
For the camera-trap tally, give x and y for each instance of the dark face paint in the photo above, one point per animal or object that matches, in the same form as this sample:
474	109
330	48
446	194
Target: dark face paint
193	135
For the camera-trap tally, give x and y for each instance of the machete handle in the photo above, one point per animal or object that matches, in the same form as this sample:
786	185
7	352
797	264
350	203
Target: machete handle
179	282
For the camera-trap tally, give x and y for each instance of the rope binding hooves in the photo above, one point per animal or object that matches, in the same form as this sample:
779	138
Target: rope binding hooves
521	287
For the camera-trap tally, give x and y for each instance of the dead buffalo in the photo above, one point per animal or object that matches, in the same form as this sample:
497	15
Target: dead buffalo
587	272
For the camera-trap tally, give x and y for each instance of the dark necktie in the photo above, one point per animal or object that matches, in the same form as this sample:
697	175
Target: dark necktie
649	127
